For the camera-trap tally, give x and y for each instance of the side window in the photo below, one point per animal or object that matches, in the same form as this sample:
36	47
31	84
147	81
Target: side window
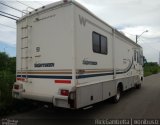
99	43
103	45
138	57
141	59
96	42
134	55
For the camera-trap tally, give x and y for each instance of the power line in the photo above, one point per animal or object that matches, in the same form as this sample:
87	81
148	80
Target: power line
146	37
7	26
132	34
25	5
135	35
9	14
12	8
8	17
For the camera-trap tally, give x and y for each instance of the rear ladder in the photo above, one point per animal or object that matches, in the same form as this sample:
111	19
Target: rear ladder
25	58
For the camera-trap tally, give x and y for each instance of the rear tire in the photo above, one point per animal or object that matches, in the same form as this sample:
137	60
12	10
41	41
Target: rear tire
116	98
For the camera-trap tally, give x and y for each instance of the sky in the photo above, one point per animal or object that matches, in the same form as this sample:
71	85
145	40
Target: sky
132	17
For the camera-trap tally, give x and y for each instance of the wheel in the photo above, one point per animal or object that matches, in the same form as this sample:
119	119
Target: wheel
116	98
138	86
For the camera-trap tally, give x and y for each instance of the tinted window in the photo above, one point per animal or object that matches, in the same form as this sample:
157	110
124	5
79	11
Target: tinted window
103	45
96	42
134	55
99	43
141	59
138	57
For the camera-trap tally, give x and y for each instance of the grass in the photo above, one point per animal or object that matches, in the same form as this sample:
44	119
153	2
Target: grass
151	68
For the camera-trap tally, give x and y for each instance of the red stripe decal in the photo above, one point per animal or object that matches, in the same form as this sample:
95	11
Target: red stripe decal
20	79
63	81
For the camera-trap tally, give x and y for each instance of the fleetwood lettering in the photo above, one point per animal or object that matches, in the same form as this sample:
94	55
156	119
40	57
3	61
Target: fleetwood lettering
38	65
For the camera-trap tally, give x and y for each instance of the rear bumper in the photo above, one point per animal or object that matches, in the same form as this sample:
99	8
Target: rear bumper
56	100
17	93
61	101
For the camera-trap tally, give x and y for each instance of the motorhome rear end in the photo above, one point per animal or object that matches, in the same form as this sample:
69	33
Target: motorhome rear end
70	58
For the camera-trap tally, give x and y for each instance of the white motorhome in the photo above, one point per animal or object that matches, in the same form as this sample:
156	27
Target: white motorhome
69	57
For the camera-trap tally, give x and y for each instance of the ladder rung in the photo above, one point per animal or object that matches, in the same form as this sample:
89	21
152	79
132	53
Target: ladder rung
25	57
24	37
24	68
25	47
38	56
25	27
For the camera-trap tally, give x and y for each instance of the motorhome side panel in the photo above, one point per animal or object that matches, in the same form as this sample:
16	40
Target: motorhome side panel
93	69
124	57
87	61
50	46
127	68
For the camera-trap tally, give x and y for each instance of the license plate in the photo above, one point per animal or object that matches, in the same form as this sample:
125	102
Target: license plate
16	95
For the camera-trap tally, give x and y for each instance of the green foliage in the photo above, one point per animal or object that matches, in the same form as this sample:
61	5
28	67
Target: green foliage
7	78
3	60
151	68
9	105
12	65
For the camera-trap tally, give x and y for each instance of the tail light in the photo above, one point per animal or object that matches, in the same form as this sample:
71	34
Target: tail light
16	87
64	92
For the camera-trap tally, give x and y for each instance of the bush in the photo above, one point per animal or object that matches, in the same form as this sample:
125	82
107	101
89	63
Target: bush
8	105
154	70
151	68
7	78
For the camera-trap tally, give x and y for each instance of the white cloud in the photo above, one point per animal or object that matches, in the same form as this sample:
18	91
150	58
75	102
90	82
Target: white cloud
8	36
130	16
150	41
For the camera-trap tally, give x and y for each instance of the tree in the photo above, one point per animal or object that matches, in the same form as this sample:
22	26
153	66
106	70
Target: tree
7	78
3	60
